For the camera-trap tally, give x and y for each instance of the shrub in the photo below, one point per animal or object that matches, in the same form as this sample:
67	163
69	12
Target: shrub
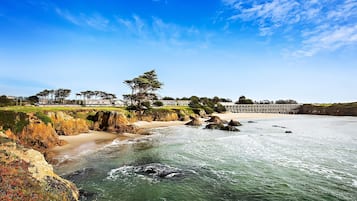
158	103
220	108
43	117
15	121
208	110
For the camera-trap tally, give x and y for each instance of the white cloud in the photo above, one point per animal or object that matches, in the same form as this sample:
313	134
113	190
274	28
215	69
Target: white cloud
158	30
95	21
321	25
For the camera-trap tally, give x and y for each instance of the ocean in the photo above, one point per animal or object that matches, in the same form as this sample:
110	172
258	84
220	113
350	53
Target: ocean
316	161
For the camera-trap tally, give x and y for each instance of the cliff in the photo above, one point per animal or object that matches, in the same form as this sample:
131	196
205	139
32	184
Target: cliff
25	175
28	130
65	124
119	122
338	109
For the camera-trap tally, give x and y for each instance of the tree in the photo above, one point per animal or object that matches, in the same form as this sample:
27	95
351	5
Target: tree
289	101
33	99
62	94
143	89
244	100
4	101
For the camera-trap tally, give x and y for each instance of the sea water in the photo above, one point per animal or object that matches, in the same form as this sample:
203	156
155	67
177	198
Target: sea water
317	161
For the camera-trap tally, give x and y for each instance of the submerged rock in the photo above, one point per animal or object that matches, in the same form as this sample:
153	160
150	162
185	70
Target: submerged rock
218	126
288	132
230	128
152	170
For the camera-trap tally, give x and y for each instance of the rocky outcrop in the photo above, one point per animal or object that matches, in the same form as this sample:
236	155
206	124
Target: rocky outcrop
222	127
65	124
216	120
340	109
111	121
234	123
25	175
219	124
195	121
29	131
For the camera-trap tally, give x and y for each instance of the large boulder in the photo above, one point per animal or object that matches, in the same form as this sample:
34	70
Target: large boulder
25	175
215	126
195	121
216	120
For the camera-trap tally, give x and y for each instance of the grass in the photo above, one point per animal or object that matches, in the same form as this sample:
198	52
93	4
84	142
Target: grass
28	109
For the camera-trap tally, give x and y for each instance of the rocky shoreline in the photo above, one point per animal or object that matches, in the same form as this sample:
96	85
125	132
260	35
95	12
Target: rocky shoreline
27	138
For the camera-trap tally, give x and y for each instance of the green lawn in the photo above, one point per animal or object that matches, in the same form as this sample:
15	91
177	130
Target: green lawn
27	109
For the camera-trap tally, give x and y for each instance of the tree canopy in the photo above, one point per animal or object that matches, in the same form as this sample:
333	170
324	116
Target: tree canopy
143	89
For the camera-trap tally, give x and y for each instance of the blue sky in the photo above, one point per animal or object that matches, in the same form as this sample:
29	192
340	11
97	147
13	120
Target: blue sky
264	49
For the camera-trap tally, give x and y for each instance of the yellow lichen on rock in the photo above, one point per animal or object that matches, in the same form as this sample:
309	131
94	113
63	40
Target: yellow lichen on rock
25	175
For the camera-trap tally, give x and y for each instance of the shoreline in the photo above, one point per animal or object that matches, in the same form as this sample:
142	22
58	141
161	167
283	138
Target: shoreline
82	143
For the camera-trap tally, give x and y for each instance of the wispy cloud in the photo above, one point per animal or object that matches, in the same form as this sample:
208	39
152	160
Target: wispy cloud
95	21
157	29
321	25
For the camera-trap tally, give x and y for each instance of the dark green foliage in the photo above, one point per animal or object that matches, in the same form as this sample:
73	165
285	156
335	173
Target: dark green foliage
208	109
289	101
15	121
207	104
146	105
167	98
143	89
43	117
33	99
220	108
158	103
4	101
244	100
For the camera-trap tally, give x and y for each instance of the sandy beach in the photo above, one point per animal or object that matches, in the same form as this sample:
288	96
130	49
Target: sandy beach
93	140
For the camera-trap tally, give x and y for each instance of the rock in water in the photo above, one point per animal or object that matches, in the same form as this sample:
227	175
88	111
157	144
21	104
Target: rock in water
158	170
234	123
218	126
195	121
230	128
152	170
216	120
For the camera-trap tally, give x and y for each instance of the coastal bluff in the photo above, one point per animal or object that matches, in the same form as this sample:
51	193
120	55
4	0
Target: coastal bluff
337	109
25	175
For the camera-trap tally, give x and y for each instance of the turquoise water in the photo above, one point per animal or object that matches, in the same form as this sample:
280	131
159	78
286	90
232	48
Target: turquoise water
317	161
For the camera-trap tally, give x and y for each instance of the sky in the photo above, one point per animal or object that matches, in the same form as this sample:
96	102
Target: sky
304	50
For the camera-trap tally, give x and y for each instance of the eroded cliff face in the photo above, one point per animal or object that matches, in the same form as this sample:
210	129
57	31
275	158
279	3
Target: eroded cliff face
25	175
34	134
65	124
112	122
